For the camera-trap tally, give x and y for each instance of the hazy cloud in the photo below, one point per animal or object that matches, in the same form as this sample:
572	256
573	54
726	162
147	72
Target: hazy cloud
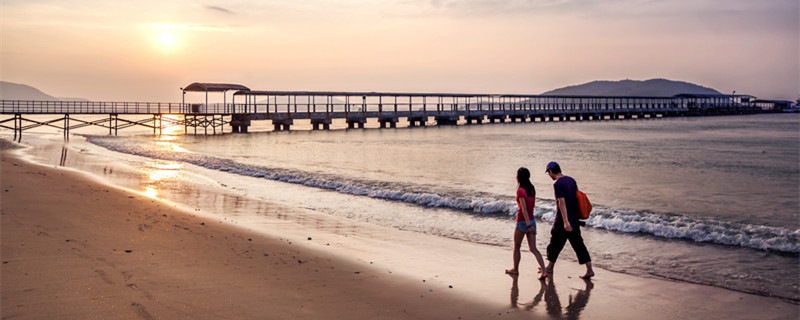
607	9
219	9
504	7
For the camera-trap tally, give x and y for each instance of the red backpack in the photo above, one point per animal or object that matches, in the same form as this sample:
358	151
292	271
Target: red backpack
584	206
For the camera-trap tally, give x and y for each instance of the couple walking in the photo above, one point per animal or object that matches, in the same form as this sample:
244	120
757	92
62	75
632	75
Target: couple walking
566	227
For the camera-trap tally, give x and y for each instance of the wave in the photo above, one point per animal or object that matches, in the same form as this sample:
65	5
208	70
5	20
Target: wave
663	225
698	230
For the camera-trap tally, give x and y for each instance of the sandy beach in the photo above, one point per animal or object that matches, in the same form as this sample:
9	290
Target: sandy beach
76	248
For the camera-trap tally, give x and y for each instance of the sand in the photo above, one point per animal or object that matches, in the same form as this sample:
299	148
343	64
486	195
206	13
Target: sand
75	248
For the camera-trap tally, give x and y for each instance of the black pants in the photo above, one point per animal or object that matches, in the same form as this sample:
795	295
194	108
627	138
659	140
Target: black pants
559	237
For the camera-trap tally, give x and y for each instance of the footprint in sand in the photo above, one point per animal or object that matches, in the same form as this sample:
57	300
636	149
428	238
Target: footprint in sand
141	311
135	287
103	276
79	253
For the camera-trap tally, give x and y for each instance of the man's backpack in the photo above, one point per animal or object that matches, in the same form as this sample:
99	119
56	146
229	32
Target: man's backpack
584	206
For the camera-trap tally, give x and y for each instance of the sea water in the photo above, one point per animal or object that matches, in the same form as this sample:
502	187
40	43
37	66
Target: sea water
710	200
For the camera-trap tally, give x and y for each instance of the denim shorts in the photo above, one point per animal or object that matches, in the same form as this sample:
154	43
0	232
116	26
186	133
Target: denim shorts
523	227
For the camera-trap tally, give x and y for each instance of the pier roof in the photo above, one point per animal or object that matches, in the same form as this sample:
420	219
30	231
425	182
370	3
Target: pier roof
354	93
429	94
214	87
464	95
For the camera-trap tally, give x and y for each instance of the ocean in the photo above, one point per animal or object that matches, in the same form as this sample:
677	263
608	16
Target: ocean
708	200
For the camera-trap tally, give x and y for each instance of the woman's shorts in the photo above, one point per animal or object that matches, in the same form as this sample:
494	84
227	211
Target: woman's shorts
522	226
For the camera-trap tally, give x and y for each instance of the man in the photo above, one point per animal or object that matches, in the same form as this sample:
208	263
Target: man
566	226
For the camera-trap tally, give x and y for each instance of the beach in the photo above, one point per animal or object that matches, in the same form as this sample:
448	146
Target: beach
74	247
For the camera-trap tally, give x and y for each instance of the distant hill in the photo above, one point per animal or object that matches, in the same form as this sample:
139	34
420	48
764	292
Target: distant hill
15	91
651	88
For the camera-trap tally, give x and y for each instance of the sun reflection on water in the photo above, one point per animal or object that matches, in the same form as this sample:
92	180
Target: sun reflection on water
169	134
170	146
157	172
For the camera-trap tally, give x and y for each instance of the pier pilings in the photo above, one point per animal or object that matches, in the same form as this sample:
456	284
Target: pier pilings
447	119
282	121
356	120
321	119
390	120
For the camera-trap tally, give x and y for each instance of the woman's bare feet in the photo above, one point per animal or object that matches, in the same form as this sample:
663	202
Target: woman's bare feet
543	274
547	272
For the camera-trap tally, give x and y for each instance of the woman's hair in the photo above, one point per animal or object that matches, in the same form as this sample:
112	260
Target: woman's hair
524	178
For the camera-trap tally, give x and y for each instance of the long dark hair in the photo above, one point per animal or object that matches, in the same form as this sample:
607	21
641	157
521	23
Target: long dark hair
524	178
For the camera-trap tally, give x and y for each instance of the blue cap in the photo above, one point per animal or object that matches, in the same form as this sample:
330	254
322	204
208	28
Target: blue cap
552	165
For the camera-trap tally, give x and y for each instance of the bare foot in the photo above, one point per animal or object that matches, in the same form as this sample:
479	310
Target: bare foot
588	275
512	272
542	274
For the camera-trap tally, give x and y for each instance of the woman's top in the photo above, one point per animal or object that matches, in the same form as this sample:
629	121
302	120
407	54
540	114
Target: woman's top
529	202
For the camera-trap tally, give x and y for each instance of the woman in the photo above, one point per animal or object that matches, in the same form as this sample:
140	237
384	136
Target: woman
526	198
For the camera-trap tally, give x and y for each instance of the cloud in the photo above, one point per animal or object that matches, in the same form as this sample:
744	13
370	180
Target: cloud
506	7
219	9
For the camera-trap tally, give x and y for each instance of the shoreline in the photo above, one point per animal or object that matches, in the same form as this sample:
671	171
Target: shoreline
90	250
377	272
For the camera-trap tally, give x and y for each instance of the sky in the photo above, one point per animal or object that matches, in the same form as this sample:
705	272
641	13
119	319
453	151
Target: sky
147	50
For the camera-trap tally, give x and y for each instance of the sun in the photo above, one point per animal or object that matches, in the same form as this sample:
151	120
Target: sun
167	39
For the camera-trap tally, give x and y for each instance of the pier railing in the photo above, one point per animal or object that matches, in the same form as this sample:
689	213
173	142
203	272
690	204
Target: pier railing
382	103
91	107
283	107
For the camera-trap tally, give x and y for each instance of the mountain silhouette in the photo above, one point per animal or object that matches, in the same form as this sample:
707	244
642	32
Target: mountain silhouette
635	88
16	91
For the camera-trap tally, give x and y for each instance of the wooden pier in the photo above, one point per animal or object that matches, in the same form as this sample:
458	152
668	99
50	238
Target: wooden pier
282	108
356	108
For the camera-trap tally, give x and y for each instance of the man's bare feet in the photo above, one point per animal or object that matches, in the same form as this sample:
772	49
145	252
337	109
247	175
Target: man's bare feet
512	272
589	271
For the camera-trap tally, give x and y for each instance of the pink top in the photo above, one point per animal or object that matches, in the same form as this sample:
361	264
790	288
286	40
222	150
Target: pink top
529	202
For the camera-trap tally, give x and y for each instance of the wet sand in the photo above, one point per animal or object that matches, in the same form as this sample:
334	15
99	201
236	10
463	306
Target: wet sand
75	248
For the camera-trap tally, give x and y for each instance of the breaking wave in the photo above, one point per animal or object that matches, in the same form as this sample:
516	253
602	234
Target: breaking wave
670	226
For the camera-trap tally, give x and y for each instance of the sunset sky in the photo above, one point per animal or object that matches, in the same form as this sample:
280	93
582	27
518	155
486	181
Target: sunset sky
146	50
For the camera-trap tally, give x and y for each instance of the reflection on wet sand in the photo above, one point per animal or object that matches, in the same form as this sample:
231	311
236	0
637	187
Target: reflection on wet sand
63	160
160	171
547	290
157	173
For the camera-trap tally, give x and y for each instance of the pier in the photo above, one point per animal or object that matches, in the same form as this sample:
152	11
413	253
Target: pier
320	108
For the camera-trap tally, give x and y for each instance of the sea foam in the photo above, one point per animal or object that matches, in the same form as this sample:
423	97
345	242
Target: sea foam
672	226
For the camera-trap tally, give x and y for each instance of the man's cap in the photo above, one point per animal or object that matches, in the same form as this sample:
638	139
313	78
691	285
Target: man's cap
552	165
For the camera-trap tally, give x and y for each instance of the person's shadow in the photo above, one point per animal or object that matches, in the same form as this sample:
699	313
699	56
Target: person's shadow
552	302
